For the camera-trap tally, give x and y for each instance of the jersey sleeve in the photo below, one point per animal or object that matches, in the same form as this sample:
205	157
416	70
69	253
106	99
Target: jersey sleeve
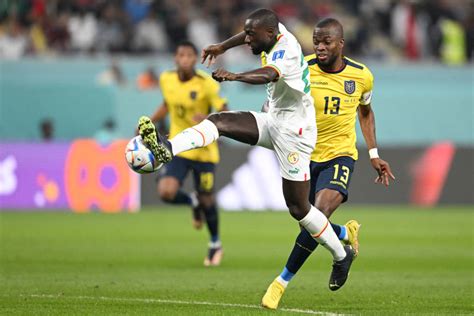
283	59
366	96
213	96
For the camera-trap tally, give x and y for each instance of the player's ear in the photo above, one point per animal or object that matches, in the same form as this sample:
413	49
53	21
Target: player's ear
341	42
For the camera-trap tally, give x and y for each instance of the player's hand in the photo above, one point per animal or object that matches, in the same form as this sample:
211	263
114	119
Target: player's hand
383	169
198	118
211	51
223	75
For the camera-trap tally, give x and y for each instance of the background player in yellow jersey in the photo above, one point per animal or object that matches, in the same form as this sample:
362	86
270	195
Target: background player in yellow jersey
189	96
342	89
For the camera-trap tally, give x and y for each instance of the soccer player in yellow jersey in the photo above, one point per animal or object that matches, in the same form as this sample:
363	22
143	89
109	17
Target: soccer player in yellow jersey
189	97
341	89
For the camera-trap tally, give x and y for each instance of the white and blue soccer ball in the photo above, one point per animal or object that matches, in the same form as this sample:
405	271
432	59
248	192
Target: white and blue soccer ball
139	158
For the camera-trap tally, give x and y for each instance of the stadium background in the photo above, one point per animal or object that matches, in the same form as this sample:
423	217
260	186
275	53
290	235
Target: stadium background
76	75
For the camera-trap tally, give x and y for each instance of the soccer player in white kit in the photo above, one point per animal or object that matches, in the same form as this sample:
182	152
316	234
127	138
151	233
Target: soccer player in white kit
288	127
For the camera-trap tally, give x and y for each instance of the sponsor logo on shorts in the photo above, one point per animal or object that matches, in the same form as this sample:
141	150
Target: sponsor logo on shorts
293	158
294	171
338	183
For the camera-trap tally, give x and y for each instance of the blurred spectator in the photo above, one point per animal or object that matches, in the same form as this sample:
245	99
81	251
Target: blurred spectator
202	30
107	133
46	130
83	29
39	41
112	76
14	43
148	80
304	32
150	35
407	29
111	35
176	21
402	29
58	34
137	10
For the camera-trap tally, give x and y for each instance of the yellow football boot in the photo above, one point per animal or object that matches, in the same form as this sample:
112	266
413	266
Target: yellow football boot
353	228
273	295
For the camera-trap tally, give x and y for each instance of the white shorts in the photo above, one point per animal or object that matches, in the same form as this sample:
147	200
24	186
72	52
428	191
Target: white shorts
293	144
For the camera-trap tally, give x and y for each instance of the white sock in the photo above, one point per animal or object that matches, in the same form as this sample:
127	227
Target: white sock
317	224
197	136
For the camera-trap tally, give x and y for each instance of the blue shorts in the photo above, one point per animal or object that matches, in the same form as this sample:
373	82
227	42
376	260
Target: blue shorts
203	173
334	174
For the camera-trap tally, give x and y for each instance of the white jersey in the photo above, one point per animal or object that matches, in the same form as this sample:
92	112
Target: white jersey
289	97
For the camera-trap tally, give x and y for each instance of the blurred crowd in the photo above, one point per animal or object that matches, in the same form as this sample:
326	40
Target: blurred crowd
383	29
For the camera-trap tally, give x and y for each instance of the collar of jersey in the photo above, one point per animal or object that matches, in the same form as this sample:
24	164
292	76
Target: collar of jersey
278	39
344	60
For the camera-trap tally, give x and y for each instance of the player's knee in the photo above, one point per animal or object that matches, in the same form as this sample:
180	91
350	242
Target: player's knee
166	195
325	207
297	210
221	121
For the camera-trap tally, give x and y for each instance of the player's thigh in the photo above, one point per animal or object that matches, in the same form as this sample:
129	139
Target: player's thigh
171	177
334	179
293	151
237	125
204	177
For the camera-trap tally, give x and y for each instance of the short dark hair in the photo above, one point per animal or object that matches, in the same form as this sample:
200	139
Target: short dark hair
186	43
331	22
265	17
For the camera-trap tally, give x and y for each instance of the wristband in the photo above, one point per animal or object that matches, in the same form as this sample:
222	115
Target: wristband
373	153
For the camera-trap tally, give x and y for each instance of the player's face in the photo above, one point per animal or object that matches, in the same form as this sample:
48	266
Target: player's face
327	45
185	58
257	37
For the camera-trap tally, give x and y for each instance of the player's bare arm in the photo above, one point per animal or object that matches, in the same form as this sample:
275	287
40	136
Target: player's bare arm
160	113
262	75
214	50
367	125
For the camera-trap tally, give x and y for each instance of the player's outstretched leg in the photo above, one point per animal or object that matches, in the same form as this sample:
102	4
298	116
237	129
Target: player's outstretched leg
340	269
159	145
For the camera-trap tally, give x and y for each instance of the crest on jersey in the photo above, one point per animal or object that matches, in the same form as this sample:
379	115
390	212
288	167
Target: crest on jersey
293	158
349	86
193	95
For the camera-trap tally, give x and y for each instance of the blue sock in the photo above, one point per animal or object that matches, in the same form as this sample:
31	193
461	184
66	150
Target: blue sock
286	275
340	230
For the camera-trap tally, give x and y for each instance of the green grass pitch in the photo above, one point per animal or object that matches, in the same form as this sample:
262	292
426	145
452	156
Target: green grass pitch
412	261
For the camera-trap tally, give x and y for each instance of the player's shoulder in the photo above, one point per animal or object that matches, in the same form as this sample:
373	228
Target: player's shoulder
201	74
168	75
357	66
311	59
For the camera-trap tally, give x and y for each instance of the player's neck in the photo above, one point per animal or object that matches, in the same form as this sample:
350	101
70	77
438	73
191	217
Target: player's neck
337	66
272	44
185	76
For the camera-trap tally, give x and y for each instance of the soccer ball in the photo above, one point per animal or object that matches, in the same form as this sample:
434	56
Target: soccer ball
139	158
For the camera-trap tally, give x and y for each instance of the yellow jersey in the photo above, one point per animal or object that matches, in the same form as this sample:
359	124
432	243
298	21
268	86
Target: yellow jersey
336	98
199	95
